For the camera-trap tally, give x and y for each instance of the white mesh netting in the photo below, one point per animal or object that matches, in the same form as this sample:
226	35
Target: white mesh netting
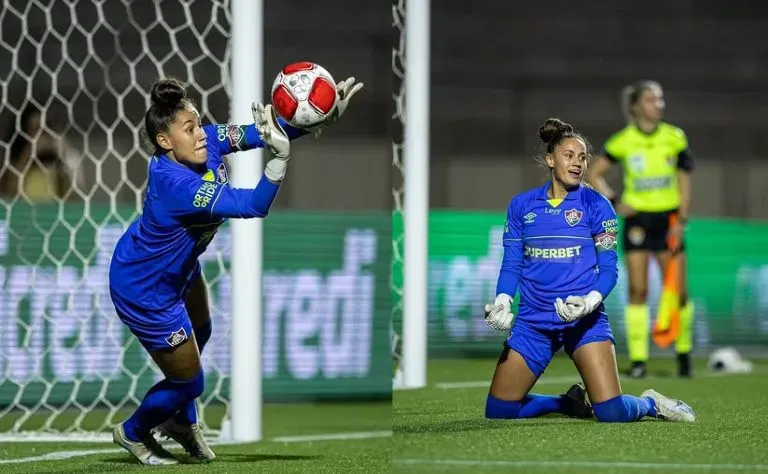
398	119
75	82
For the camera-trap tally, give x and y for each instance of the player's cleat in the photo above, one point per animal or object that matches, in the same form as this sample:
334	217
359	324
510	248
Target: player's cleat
637	371
190	437
148	451
669	408
684	365
576	400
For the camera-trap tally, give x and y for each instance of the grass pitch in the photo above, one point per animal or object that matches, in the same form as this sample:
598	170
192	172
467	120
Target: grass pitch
298	438
442	428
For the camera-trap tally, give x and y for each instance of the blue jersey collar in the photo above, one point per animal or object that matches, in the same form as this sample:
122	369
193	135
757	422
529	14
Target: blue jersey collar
571	196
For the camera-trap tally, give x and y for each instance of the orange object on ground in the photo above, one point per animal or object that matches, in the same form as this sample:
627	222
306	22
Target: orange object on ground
667	326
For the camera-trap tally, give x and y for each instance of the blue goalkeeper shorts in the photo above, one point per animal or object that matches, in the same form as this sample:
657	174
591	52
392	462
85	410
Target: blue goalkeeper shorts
157	329
537	346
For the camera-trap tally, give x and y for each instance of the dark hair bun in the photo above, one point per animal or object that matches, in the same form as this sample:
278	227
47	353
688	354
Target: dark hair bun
552	128
168	93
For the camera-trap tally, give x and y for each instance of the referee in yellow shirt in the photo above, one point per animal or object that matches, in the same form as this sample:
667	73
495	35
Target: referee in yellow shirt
656	165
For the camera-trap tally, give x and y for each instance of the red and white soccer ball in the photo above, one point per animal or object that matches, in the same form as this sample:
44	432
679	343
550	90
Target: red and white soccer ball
304	94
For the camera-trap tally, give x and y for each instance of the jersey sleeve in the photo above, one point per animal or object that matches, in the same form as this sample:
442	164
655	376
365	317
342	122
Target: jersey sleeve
612	148
685	158
191	196
686	161
605	229
225	138
512	240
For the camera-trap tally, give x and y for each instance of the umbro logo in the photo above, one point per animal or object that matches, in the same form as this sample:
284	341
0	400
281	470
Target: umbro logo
529	217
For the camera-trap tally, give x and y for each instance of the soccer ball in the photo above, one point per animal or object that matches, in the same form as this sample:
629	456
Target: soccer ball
304	94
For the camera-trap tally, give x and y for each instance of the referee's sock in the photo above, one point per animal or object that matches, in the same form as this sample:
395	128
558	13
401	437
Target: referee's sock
529	407
638	318
188	414
160	403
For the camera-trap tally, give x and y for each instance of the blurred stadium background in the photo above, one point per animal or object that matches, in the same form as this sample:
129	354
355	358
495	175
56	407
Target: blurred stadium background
75	80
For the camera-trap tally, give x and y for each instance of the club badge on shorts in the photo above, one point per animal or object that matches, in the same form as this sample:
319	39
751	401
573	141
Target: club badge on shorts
573	216
176	337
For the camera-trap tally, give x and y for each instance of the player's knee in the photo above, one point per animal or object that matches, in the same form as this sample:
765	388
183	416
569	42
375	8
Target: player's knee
495	408
192	388
611	411
197	385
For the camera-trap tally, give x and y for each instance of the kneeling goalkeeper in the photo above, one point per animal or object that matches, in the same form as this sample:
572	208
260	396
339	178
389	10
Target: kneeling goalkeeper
560	250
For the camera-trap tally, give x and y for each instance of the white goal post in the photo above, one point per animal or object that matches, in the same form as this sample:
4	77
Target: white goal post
410	67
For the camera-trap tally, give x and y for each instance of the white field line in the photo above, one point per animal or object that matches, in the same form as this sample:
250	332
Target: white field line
568	379
487	383
333	436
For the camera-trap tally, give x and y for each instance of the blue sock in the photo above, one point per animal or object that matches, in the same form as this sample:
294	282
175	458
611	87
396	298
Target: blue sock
188	414
537	405
160	403
529	407
624	409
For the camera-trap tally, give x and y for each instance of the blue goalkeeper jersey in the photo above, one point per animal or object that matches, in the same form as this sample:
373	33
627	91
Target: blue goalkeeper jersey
555	249
155	259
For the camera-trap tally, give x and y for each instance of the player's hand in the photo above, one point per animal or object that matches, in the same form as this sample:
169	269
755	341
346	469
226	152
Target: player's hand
498	315
576	307
273	137
271	133
346	89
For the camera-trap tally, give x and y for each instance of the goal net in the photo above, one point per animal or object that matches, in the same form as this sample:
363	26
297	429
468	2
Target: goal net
72	178
398	123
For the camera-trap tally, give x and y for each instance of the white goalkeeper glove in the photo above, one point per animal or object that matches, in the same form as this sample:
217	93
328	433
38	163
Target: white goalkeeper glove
346	89
274	137
576	307
499	314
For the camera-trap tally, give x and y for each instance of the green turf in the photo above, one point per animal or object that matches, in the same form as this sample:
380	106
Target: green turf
362	455
443	430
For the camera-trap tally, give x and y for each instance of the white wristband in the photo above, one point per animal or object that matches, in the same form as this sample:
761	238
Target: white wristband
275	169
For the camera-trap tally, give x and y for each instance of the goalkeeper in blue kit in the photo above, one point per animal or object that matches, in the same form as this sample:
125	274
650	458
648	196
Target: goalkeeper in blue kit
560	252
155	279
